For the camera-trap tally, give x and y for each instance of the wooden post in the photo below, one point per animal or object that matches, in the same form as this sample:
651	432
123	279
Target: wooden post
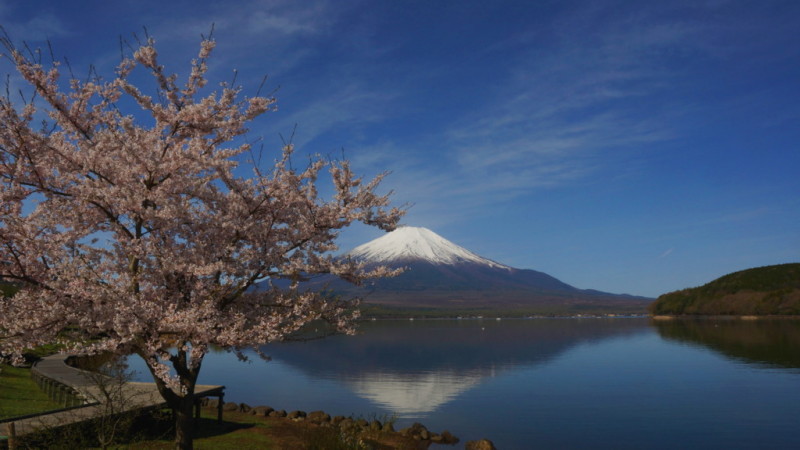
219	407
62	391
70	402
12	436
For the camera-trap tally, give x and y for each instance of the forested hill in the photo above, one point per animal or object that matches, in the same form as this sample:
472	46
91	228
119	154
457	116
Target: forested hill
770	290
7	289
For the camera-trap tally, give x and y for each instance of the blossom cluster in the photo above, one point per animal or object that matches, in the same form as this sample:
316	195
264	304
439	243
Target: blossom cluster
144	238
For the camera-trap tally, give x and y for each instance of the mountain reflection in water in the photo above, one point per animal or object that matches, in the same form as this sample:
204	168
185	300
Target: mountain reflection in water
412	394
412	368
770	342
545	383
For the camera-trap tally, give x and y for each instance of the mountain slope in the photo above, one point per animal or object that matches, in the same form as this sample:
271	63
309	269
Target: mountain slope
770	290
412	244
440	274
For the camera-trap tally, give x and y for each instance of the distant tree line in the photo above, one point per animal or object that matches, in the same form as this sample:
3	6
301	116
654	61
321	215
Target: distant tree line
770	290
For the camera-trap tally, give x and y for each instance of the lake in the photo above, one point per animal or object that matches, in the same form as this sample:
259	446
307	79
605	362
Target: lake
544	383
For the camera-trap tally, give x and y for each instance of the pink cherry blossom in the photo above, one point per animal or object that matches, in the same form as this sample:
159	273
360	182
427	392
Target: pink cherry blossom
141	237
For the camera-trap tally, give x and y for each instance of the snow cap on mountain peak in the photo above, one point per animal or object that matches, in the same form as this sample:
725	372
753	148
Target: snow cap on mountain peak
417	243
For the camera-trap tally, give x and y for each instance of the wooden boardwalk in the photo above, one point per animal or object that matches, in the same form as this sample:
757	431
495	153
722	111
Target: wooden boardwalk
81	393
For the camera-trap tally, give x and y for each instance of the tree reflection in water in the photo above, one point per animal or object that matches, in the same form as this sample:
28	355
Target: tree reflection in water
770	342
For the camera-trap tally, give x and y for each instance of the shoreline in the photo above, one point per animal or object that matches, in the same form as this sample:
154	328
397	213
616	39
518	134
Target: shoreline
359	427
412	317
585	316
294	429
724	317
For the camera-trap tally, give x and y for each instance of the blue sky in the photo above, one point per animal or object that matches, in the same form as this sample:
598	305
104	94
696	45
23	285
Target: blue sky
626	146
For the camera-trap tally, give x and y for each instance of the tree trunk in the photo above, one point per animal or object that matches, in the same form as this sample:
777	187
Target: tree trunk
184	423
182	405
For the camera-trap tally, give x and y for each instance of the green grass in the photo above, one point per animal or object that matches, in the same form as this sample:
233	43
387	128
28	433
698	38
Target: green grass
238	431
245	432
156	432
19	395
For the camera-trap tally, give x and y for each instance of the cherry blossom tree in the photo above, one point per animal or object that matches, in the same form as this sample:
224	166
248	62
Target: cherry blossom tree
138	230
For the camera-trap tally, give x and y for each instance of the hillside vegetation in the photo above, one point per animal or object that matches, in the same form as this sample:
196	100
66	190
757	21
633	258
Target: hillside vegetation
7	289
770	290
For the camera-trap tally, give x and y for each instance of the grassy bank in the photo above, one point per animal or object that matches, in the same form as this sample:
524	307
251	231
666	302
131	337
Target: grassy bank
243	430
19	395
237	431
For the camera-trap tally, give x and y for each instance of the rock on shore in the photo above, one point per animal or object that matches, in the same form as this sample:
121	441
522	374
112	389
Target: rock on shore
416	432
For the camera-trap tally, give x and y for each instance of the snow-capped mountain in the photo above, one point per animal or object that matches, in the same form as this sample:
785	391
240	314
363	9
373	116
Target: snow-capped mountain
440	274
433	263
409	244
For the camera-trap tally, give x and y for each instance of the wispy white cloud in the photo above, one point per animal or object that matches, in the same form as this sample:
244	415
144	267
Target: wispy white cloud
257	21
270	22
737	216
42	26
552	119
257	37
349	106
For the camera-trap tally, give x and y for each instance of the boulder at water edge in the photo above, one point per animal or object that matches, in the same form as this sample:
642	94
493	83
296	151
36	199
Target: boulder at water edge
483	444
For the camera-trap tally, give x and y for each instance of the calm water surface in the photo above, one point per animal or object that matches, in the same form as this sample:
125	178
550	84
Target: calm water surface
545	383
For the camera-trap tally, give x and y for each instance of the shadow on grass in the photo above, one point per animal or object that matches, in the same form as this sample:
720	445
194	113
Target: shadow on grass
208	428
150	430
